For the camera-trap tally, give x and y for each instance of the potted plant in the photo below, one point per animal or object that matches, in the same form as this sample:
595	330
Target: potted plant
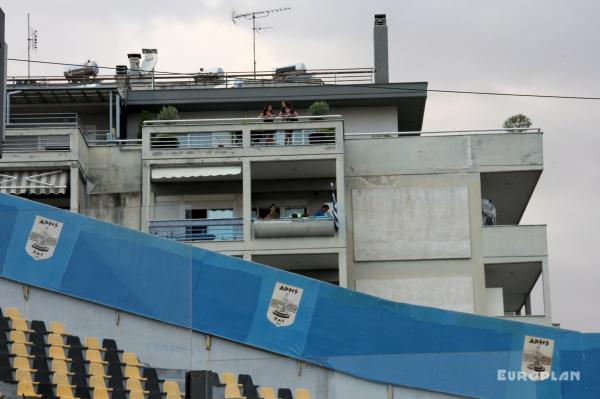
322	135
165	140
318	108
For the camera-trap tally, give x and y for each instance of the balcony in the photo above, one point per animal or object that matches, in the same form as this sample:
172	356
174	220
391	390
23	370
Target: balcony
294	227
195	230
242	137
514	241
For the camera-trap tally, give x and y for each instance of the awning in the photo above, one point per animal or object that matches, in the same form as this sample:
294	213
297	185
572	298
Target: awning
189	173
34	182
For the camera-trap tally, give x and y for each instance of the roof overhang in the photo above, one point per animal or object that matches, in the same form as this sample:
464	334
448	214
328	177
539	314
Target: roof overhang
194	173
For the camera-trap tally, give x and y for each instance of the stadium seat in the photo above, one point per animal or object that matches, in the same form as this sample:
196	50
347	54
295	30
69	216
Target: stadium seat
100	393
25	390
284	393
134	394
152	380
24	375
249	390
18	337
57	328
302	393
61	379
94	356
5	369
20	350
133	372
22	363
110	345
21	325
39	327
97	382
233	392
173	396
267	393
171	387
97	369
130	359
92	343
229	378
13	313
60	366
135	385
64	391
58	353
56	340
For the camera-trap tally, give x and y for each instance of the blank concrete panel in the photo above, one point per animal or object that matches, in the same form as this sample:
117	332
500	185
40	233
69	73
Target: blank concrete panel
450	293
494	302
407	223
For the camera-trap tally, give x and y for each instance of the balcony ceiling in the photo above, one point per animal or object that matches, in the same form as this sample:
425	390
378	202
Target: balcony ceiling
296	262
510	192
320	168
61	96
516	280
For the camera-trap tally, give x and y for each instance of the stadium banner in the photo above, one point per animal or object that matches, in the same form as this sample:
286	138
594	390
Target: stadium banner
288	314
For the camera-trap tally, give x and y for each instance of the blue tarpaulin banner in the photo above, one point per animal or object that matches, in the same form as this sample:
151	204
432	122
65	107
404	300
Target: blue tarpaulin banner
285	313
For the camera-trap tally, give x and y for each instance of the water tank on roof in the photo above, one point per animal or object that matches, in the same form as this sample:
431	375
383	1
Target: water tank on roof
88	69
292	69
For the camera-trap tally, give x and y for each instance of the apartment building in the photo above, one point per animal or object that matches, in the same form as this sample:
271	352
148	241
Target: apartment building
409	223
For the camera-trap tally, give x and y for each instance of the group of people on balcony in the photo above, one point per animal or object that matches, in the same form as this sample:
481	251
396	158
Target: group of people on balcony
287	113
274	213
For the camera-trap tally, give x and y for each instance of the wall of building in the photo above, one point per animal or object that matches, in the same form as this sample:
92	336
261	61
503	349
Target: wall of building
368	119
169	347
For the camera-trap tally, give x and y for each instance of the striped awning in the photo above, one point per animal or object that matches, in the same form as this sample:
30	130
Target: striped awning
34	182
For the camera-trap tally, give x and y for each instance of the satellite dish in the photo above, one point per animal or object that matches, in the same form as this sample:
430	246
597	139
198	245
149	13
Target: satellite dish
150	59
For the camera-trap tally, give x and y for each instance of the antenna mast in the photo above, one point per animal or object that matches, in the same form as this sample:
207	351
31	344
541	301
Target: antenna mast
253	15
32	44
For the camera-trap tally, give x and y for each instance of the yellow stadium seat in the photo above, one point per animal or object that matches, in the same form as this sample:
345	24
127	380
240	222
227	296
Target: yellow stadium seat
60	366
135	385
233	392
58	353
97	369
94	356
13	313
130	359
133	372
93	343
134	394
267	393
20	350
100	393
173	396
25	390
302	393
64	391
97	382
57	328
171	387
21	325
24	375
60	379
229	378
22	363
18	337
57	340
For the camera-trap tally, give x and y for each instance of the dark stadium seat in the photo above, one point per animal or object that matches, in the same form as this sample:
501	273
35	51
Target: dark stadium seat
284	393
249	390
39	327
110	345
5	369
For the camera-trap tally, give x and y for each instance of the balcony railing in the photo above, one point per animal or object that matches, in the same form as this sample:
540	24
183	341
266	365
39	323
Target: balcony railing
294	227
193	230
34	143
241	133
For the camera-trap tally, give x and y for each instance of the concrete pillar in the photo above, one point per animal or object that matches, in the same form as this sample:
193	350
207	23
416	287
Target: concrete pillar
247	199
74	187
528	304
380	49
247	257
147	201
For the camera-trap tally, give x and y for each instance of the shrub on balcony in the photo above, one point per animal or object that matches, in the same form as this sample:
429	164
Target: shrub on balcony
319	108
518	121
145	116
168	113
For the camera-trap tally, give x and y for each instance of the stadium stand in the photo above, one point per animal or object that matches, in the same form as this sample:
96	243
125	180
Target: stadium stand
79	371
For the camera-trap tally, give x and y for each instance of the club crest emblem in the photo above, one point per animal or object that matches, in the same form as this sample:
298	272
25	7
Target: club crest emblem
537	357
284	304
43	238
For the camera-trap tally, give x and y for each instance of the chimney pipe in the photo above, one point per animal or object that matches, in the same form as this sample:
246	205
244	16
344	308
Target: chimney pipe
134	63
380	49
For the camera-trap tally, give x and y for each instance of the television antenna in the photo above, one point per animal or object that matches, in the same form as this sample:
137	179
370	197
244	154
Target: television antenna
32	44
254	15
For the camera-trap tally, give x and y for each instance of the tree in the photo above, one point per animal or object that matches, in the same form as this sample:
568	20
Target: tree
168	113
518	121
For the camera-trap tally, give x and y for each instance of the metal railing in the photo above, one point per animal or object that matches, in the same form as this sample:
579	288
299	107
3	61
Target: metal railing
385	135
159	80
198	229
46	120
33	143
193	140
260	138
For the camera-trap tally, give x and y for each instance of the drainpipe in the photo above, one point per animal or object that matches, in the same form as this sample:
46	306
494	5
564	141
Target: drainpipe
110	114
8	95
118	115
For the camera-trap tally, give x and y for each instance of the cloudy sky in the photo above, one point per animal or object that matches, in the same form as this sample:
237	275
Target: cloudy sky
533	46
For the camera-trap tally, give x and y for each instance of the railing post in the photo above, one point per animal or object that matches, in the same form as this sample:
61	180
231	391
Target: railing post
246	132
247	199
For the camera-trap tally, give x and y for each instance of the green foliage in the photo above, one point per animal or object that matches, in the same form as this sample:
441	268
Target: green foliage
168	113
517	121
145	116
319	108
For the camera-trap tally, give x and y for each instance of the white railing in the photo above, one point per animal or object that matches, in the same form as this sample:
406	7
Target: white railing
33	143
385	135
198	229
216	139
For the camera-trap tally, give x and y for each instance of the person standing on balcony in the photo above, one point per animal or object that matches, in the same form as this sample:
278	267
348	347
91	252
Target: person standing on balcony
288	113
323	212
267	115
273	213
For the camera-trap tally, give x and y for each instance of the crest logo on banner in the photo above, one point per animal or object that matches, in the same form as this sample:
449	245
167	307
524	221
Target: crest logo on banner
43	238
537	357
284	304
